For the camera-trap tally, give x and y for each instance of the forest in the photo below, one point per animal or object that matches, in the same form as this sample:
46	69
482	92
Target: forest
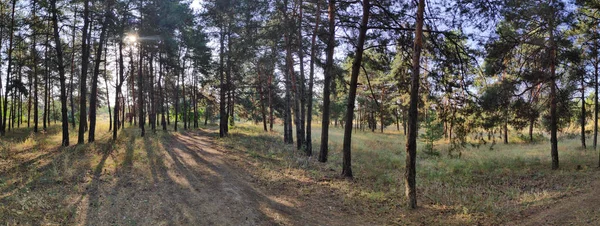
299	112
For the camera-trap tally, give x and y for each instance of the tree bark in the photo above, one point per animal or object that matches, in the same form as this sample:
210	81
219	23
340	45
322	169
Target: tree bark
35	70
411	143
71	88
597	61
8	70
141	118
583	113
61	73
46	79
184	104
1	111
300	133
110	118
323	152
347	152
311	79
84	68
223	121
119	83
553	100
94	91
152	96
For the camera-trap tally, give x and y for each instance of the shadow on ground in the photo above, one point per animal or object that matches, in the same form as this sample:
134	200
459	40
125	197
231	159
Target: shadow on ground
162	179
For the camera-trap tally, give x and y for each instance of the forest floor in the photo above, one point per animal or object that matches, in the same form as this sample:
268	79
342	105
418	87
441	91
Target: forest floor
250	178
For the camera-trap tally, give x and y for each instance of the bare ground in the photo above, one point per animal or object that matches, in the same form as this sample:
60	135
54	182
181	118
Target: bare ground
582	208
177	179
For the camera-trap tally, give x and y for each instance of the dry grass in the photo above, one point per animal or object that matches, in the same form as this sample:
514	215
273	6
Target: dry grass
154	181
484	185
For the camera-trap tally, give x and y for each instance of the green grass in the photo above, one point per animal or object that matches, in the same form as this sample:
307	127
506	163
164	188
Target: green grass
42	182
483	185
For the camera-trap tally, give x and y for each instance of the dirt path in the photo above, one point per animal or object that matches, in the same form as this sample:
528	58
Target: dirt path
579	209
192	183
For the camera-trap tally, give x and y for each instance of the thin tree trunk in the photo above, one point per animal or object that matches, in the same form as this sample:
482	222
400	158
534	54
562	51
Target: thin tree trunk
84	69
583	113
29	99
94	91
300	133
71	88
162	94
230	88
259	86
223	121
411	143
271	118
152	96
184	105
141	92
553	100
327	84
311	79
506	127
347	145
10	50
119	83
61	73
176	101
35	72
291	79
110	118
1	105
47	80
597	61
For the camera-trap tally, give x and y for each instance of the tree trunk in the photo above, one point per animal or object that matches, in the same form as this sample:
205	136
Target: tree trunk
300	133
10	50
35	70
583	113
506	127
71	88
110	124
118	84
411	143
84	68
94	91
597	61
291	78
347	164
271	118
223	121
152	115
323	152
184	105
61	73
141	92
311	80
381	109
553	101
29	99
1	105
176	102
261	94
46	114
162	94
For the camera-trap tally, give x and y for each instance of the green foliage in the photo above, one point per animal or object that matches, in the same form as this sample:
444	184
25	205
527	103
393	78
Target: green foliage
434	131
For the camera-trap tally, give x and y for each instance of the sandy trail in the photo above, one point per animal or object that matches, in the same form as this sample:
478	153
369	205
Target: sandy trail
579	209
191	184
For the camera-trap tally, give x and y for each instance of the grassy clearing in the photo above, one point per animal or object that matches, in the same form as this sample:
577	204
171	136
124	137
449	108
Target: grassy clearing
124	181
43	183
482	186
